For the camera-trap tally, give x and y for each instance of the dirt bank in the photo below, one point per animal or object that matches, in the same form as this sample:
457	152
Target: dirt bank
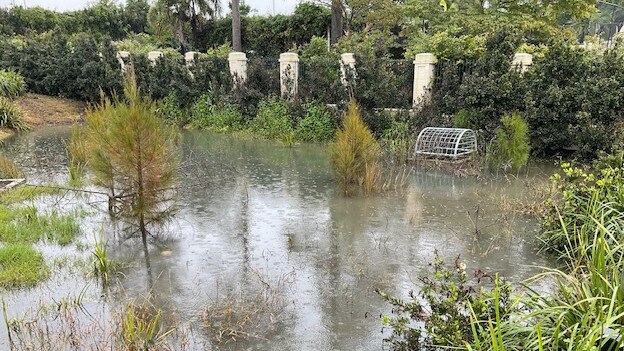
42	110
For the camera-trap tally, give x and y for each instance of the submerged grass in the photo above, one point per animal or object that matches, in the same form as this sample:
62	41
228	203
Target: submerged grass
21	266
26	193
26	225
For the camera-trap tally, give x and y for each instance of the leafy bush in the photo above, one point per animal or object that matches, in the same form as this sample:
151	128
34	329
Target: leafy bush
511	148
11	84
273	120
169	109
320	80
575	99
442	314
382	82
11	116
206	115
354	150
318	123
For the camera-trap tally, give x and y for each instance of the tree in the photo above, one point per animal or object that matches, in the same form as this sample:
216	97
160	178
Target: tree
133	154
135	15
236	26
336	21
181	13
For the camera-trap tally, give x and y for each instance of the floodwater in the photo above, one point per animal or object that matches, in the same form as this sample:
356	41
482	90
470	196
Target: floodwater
263	223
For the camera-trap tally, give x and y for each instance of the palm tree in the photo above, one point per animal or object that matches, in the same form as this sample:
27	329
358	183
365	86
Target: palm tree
336	20
236	27
180	12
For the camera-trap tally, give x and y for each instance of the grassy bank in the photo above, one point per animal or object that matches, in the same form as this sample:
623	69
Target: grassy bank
23	225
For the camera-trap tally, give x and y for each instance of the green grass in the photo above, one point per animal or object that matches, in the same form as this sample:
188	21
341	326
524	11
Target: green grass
26	225
21	266
25	193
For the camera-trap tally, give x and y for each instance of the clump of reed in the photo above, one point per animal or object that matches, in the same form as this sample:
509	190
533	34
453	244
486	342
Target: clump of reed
247	315
8	168
142	328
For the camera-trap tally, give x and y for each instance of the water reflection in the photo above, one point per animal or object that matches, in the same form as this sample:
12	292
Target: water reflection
252	208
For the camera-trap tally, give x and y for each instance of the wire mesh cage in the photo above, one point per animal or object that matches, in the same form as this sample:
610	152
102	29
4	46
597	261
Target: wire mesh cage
446	142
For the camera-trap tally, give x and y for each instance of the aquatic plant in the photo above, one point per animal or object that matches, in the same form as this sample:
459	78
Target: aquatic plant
141	328
103	266
21	266
11	116
354	149
25	225
11	84
242	315
581	196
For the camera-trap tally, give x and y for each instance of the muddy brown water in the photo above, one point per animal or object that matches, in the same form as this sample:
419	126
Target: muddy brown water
261	219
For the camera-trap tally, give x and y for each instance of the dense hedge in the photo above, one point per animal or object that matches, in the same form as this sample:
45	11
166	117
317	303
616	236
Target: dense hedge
571	98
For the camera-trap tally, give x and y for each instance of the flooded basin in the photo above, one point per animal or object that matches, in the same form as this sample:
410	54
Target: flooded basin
264	227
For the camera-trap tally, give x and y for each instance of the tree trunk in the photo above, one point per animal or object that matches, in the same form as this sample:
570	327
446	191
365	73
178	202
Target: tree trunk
180	31
336	21
236	27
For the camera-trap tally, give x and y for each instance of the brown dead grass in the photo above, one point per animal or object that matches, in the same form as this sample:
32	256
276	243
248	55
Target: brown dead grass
41	110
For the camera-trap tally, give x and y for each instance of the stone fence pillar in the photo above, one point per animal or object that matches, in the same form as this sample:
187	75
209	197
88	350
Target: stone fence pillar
238	66
289	74
189	57
153	56
522	61
347	65
121	57
424	72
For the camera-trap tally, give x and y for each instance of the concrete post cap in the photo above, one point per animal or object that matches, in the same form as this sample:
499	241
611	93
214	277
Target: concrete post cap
289	57
425	58
190	56
348	57
237	56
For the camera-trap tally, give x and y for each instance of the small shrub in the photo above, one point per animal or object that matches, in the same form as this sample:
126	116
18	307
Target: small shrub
355	148
511	146
206	115
317	124
468	118
11	84
11	116
169	109
397	141
273	119
442	314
